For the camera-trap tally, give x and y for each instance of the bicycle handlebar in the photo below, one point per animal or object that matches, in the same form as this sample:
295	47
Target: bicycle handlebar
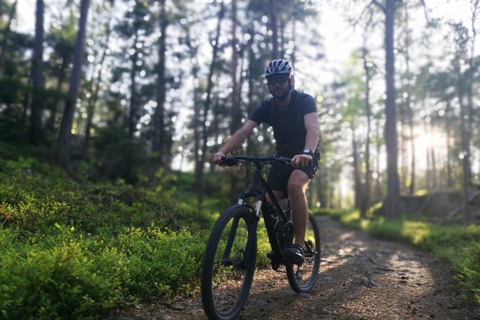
234	160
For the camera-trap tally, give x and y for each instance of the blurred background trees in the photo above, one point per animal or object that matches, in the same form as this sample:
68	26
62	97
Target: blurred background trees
122	89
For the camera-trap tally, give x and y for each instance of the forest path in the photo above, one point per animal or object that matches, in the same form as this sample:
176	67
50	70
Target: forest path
361	278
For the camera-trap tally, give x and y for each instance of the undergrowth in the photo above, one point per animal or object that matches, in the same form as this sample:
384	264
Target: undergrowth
74	250
458	245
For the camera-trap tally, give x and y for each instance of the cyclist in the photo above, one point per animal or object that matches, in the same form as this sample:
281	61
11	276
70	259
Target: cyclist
294	119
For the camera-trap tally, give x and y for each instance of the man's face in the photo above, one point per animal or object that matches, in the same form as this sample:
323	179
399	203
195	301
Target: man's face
279	86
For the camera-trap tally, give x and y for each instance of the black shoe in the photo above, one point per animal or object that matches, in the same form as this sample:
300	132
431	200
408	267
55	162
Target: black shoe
295	254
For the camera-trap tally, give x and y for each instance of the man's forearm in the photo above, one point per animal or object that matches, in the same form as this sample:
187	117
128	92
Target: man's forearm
311	140
313	131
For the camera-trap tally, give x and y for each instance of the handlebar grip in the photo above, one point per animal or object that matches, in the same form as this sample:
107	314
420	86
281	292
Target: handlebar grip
230	161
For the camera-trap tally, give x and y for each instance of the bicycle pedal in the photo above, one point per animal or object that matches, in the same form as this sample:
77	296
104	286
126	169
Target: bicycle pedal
275	266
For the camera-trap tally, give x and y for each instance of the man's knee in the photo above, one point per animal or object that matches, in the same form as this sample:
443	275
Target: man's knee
297	182
294	185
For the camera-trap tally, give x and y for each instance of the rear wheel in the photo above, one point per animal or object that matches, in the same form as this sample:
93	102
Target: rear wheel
302	278
229	263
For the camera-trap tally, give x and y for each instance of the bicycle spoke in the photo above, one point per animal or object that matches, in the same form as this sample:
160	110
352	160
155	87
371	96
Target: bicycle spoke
302	278
228	266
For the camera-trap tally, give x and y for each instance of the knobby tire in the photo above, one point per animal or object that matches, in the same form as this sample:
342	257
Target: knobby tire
229	263
302	278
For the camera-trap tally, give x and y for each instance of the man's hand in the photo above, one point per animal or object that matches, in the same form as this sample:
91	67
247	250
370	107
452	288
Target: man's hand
301	160
217	158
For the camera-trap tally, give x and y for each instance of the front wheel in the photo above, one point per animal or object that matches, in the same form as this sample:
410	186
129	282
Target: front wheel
229	263
302	278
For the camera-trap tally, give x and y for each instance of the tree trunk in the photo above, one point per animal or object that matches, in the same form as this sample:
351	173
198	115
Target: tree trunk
409	109
274	26
448	130
365	202
96	89
159	116
392	201
205	132
378	189
6	35
464	155
196	108
37	77
356	172
133	114
472	62
410	185
235	112
402	147
234	98
64	152
52	120
433	168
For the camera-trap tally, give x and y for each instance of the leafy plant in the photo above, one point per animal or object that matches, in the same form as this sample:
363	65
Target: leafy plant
73	251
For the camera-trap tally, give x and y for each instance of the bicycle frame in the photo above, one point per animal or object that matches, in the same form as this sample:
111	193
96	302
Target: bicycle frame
258	189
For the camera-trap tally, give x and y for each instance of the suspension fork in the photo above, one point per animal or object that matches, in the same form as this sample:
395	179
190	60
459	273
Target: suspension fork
251	240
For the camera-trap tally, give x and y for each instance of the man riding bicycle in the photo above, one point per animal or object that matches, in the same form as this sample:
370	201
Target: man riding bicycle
294	119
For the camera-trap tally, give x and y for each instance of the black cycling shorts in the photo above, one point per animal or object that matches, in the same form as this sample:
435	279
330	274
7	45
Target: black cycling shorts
279	174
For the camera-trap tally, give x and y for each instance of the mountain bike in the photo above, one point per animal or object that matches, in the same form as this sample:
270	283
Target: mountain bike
230	255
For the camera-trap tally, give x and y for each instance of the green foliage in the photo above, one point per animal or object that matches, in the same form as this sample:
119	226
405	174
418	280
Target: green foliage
55	278
73	251
263	245
458	245
469	267
160	262
71	276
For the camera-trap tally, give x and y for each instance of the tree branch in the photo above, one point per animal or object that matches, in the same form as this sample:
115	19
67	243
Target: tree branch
378	4
425	10
362	13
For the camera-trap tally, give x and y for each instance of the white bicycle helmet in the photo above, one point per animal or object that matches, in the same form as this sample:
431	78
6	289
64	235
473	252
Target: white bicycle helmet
279	66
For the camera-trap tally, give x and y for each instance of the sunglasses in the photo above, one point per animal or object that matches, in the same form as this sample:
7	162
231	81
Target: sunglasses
280	80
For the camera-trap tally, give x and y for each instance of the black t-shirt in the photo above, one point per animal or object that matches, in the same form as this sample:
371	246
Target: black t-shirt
288	125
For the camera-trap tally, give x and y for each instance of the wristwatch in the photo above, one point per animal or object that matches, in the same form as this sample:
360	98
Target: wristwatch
308	151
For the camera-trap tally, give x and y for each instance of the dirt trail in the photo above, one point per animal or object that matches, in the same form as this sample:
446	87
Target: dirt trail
361	278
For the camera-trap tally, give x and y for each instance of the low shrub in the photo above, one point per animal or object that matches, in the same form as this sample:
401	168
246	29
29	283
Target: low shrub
69	275
55	278
73	251
469	270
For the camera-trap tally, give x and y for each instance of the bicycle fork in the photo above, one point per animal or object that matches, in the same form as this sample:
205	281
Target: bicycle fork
242	256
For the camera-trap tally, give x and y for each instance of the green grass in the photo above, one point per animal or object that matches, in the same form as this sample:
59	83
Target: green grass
457	245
